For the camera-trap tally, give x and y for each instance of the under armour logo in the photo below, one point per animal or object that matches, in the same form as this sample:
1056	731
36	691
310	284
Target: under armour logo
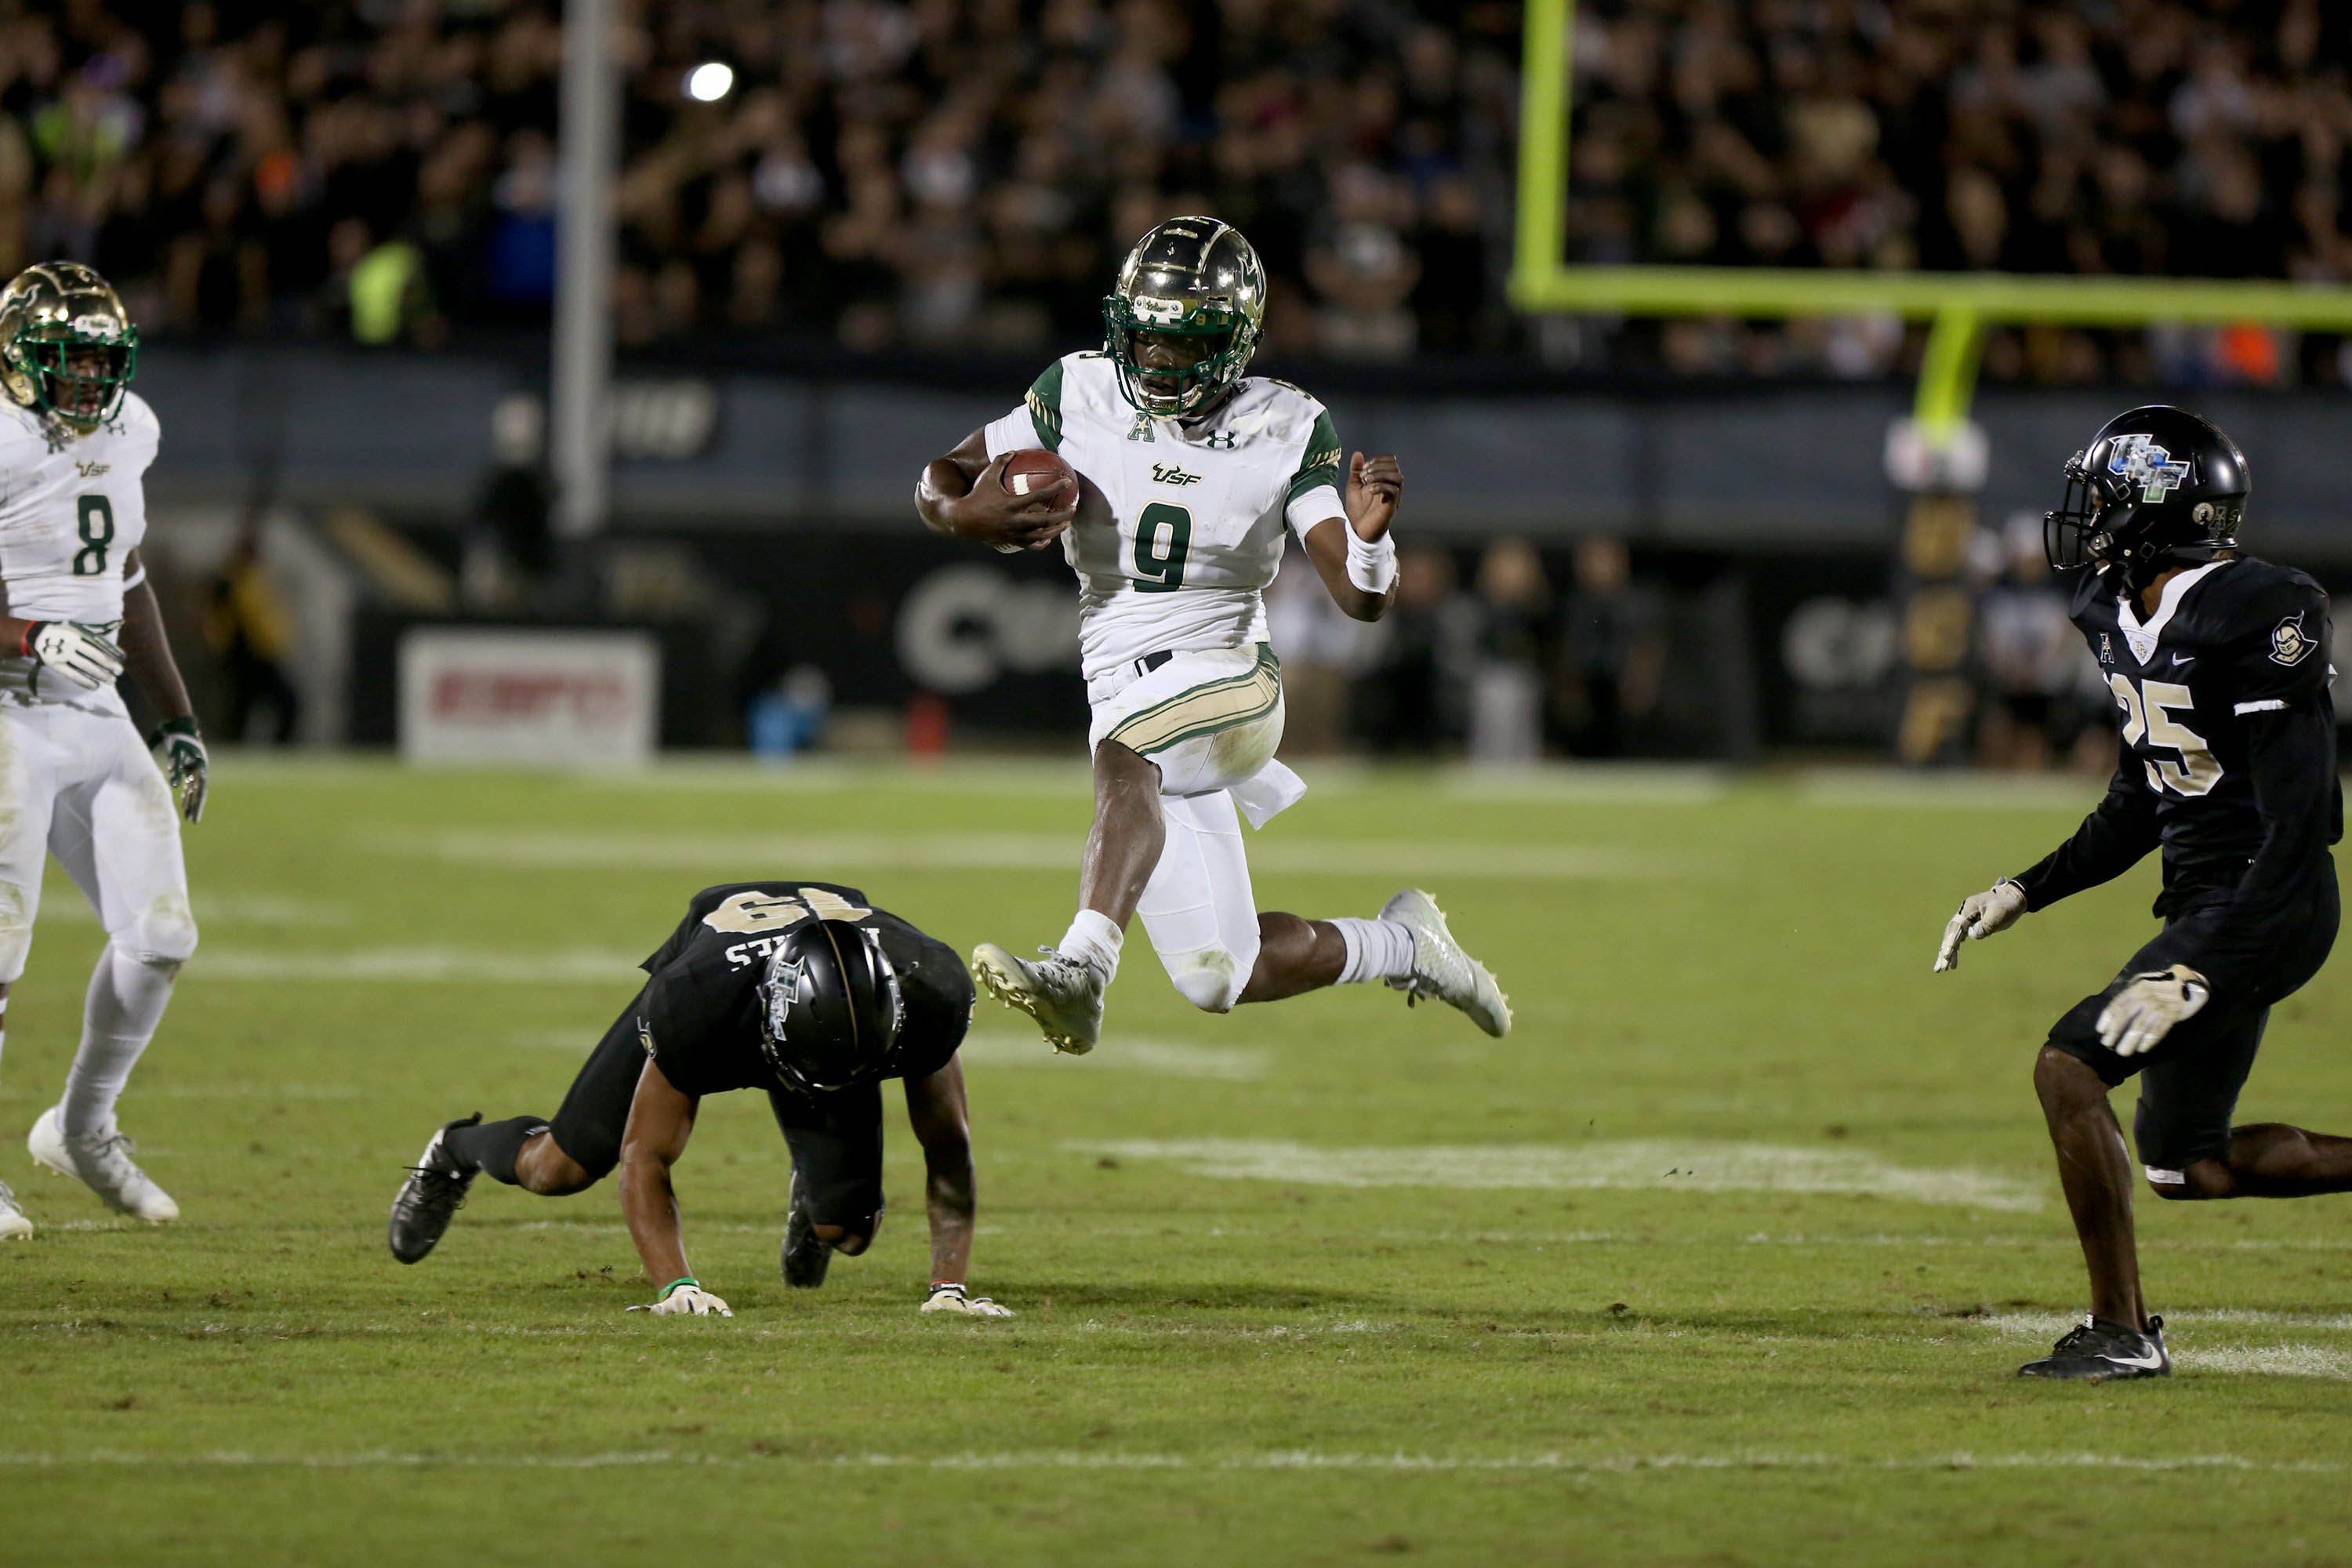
2141	460
1221	440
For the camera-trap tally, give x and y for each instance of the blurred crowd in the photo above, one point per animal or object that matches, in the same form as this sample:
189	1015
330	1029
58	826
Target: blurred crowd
966	172
2043	701
952	172
2127	137
1502	655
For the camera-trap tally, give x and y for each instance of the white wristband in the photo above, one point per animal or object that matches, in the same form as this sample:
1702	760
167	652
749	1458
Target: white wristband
134	579
1372	565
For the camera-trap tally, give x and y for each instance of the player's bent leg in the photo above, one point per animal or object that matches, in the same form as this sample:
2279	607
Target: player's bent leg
2265	1159
1200	911
1294	955
1128	831
1062	988
573	1151
115	829
836	1202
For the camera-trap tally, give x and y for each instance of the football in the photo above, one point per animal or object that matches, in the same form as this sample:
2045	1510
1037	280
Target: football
1028	472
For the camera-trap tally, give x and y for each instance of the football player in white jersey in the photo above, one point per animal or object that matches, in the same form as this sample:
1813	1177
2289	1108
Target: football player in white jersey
1190	474
75	780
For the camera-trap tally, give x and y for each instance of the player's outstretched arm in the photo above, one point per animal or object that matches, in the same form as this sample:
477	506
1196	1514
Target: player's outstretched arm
1980	915
147	654
661	1119
1354	555
962	495
937	1110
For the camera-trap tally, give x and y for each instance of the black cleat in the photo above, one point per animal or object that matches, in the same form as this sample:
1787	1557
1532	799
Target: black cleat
431	1197
2101	1351
805	1258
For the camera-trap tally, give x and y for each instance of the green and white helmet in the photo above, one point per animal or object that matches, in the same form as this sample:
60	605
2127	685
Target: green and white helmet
1191	278
67	345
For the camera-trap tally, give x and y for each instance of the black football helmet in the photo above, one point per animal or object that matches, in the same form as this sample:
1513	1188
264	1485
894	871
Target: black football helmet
830	1006
2155	484
1197	280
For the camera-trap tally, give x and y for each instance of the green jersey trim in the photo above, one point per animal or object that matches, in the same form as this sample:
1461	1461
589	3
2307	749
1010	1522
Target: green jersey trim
1044	402
1320	466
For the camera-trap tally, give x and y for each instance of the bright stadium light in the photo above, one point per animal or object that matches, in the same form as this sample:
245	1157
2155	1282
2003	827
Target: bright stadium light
710	82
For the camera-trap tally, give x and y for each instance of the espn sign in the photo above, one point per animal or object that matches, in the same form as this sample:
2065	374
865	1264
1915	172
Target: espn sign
566	698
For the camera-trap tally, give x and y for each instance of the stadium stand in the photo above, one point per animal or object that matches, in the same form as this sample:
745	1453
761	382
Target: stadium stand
965	173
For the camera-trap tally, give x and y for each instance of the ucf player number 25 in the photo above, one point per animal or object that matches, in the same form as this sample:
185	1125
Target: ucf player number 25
2148	710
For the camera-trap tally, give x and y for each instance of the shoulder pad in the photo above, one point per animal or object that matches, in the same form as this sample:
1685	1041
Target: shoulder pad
2254	598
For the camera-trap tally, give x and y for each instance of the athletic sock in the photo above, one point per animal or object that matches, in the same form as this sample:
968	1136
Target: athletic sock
1093	940
127	998
1376	949
493	1147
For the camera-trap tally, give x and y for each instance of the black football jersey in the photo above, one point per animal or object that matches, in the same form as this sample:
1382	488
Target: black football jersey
699	1016
2227	642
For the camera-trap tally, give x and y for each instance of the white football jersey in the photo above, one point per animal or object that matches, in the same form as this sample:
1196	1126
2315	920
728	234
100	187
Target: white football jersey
1197	508
71	512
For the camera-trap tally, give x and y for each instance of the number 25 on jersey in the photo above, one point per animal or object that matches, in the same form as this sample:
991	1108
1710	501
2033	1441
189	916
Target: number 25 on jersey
2148	710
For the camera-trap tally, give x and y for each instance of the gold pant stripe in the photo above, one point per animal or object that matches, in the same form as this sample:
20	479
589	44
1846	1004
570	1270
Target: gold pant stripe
1202	711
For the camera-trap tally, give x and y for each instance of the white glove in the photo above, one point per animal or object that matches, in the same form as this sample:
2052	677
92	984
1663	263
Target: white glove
688	1300
1981	915
2144	1012
952	1298
83	658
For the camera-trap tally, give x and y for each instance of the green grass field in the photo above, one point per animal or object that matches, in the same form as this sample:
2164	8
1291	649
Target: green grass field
1726	1255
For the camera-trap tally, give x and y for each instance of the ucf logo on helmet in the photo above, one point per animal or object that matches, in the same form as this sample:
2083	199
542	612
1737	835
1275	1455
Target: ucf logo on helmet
2138	459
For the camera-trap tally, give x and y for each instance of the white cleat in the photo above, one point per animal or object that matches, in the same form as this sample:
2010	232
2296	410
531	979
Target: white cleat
1063	995
14	1225
1441	970
103	1166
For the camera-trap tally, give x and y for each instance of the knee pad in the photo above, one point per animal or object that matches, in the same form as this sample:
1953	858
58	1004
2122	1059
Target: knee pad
162	936
1210	979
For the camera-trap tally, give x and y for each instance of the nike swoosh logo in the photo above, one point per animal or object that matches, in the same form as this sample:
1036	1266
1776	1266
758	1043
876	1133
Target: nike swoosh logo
2154	1359
2184	659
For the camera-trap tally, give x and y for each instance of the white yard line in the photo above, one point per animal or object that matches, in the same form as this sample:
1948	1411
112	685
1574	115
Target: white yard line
1084	1459
64	905
530	850
1695	1166
2196	1351
1160	1057
577	966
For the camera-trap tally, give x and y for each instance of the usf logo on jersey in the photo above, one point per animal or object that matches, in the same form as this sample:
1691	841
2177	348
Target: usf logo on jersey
91	470
1172	474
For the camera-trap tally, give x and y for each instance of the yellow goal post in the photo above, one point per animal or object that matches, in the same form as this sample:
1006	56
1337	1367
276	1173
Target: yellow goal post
1957	305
